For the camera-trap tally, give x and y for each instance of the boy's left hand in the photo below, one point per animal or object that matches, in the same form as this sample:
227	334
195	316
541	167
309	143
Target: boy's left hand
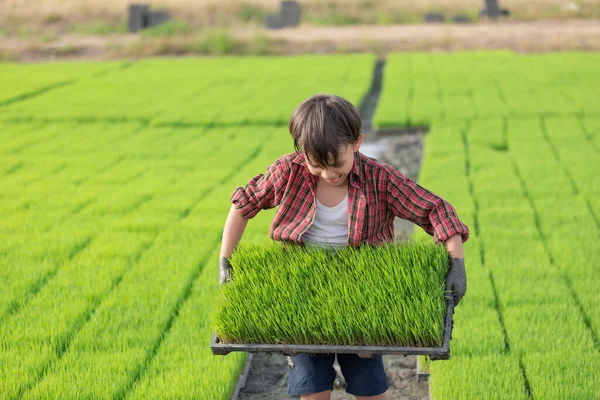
456	281
224	271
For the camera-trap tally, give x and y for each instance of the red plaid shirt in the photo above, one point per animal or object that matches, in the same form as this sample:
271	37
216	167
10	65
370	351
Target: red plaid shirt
376	194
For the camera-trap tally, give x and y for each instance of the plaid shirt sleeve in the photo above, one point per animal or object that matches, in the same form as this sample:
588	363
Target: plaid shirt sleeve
263	191
410	201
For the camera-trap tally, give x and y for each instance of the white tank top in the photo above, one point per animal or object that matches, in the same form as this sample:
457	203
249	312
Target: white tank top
330	226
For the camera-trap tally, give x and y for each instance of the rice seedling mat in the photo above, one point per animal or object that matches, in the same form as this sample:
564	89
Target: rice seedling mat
242	312
435	353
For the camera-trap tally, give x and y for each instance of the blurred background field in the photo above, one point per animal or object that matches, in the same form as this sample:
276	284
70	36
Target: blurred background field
317	12
45	29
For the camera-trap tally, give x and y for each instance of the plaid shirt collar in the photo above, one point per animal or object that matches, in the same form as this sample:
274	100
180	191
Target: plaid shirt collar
355	176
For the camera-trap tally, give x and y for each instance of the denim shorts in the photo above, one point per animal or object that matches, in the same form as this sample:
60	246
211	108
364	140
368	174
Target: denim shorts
313	373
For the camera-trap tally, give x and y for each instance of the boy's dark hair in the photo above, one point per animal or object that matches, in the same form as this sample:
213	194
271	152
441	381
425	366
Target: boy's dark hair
321	125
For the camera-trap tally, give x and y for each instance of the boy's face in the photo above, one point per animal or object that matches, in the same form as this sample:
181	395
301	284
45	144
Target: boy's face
336	174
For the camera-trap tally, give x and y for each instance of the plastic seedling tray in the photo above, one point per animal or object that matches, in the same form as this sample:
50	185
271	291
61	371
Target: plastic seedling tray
435	353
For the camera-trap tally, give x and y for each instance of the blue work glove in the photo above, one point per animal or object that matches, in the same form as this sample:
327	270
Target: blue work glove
224	271
456	281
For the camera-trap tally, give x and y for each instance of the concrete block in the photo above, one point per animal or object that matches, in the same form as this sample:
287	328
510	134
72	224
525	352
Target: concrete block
491	9
433	18
158	17
139	15
461	19
273	21
291	13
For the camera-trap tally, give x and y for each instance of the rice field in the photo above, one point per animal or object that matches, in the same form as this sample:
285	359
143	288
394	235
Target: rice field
115	184
515	147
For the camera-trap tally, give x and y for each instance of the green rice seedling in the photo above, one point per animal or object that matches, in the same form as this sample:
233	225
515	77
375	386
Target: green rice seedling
261	78
143	222
125	327
391	295
120	339
493	377
459	107
57	311
18	79
424	363
539	284
488	102
585	284
477	331
186	353
547	327
425	107
16	138
591	128
563	375
576	157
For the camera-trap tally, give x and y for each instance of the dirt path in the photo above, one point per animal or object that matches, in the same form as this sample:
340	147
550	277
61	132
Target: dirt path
518	36
267	380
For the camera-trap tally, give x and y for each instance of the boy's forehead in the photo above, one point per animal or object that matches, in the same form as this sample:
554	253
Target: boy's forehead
331	158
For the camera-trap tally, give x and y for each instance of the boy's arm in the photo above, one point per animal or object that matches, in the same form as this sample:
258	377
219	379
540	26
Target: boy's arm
454	246
232	234
408	200
437	217
261	192
233	231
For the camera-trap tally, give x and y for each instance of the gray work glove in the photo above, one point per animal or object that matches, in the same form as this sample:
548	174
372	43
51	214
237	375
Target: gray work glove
224	271
456	281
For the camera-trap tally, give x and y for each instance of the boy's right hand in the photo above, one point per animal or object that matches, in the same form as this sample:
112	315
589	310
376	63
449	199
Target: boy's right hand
224	271
456	281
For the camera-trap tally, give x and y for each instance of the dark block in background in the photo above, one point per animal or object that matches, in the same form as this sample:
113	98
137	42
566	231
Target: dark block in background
433	18
138	17
158	17
273	21
491	9
291	13
461	19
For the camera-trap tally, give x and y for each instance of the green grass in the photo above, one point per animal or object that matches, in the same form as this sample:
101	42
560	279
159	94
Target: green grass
215	42
386	296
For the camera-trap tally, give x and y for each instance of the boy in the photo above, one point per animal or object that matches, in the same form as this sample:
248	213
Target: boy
330	194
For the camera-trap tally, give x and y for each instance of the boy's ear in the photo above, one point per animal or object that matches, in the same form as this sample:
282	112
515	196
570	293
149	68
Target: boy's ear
358	143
